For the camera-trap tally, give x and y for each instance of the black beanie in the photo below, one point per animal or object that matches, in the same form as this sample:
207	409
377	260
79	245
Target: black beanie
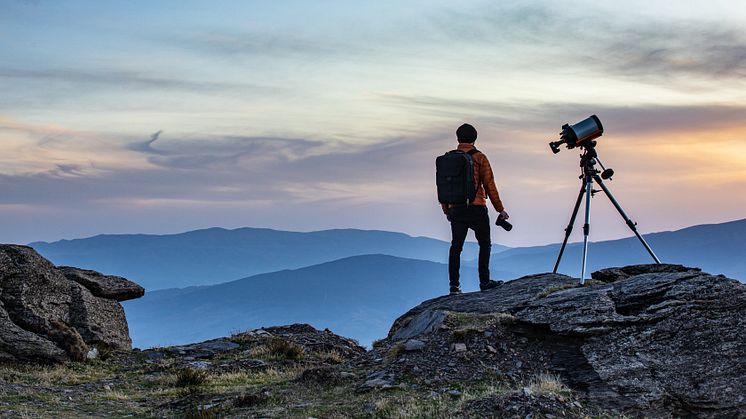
466	134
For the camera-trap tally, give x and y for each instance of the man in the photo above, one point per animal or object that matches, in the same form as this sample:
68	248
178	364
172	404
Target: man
474	215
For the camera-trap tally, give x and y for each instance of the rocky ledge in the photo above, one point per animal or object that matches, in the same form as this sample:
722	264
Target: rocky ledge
638	341
653	340
54	314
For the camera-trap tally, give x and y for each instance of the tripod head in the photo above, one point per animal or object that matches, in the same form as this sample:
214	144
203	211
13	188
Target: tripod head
588	161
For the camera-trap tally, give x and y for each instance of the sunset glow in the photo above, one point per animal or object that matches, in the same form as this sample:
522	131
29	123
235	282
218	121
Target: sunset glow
174	115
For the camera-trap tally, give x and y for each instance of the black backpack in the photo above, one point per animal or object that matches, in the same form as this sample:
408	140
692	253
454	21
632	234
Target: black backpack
454	176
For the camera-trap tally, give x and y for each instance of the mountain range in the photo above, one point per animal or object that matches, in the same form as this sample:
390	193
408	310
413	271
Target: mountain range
359	296
354	282
216	255
716	248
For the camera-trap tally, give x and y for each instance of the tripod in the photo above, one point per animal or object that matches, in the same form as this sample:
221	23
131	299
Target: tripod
589	175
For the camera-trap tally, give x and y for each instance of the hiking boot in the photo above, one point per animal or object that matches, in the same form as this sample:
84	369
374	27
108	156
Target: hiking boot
455	291
484	286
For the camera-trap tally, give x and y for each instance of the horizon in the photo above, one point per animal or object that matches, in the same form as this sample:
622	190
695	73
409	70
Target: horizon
173	116
364	230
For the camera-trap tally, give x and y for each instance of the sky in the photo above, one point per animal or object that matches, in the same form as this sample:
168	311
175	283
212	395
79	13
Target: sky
167	116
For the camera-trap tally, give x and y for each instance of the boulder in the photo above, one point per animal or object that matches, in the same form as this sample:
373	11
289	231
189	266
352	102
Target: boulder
659	340
414	345
105	286
52	314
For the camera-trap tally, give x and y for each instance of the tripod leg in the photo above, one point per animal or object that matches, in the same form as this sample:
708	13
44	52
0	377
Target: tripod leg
568	230
629	222
586	226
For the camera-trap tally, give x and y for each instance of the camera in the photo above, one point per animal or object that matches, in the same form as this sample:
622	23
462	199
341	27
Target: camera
580	134
504	224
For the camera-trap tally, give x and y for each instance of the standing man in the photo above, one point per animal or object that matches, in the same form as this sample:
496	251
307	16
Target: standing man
472	214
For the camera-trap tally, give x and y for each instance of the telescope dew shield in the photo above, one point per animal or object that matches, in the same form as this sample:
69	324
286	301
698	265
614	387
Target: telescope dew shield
585	130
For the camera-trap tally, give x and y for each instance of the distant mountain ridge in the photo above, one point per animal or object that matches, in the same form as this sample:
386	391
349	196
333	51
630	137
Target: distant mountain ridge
716	248
358	296
216	255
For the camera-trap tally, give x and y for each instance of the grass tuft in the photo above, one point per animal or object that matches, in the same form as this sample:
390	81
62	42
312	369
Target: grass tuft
397	350
331	356
549	384
555	288
190	377
279	348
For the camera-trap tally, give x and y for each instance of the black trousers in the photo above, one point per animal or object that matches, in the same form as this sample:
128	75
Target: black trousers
462	219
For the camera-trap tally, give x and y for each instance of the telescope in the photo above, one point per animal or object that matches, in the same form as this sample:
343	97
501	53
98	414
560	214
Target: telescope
580	134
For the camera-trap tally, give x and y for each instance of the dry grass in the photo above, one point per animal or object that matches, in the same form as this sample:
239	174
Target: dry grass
397	350
406	405
478	321
48	375
243	338
278	349
190	377
284	349
331	357
555	288
244	380
115	395
467	325
548	384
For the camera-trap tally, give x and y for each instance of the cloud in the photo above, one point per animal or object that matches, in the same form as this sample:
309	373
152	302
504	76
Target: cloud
147	146
227	169
117	79
623	120
278	169
69	169
224	152
315	183
563	39
659	50
249	44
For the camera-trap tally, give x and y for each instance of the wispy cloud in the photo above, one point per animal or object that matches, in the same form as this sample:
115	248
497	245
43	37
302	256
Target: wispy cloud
548	117
122	80
224	152
252	44
147	146
639	47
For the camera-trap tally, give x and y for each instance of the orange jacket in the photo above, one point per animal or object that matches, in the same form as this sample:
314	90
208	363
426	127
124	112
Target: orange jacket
483	179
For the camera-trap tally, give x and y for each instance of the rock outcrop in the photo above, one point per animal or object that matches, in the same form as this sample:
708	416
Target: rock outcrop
656	340
639	341
51	314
